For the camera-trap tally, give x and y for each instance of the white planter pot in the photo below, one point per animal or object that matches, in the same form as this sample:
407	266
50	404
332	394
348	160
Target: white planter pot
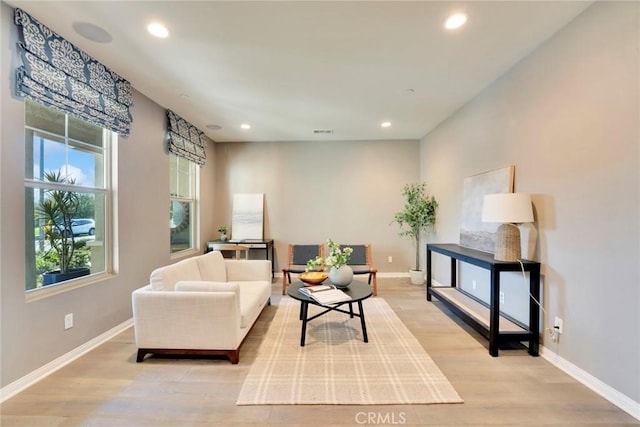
417	277
341	277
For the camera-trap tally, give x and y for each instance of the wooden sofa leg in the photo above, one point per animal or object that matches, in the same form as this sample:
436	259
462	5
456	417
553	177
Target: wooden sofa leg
234	356
141	354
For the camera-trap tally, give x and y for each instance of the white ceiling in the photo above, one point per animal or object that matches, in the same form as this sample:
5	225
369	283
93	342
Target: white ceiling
288	68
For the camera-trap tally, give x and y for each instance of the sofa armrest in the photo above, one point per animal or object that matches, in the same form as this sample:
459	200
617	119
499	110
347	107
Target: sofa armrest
186	320
248	270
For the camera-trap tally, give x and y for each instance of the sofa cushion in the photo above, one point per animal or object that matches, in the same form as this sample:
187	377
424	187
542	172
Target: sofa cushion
203	286
165	278
212	267
253	297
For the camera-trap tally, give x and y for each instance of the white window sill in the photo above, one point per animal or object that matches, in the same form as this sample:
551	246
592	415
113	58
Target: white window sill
51	290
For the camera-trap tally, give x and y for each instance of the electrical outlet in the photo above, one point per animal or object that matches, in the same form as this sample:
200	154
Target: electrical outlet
501	297
390	259
474	284
68	321
557	324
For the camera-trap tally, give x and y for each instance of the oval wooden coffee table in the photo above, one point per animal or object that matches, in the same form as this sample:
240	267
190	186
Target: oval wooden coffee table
358	292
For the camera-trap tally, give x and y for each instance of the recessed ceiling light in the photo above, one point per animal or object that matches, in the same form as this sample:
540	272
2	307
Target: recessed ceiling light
92	32
158	30
454	21
214	127
385	124
245	126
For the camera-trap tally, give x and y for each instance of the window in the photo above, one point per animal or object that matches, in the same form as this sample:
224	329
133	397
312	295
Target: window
183	203
67	197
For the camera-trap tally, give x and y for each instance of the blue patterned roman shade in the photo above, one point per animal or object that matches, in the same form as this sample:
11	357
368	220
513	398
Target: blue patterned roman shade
57	74
185	140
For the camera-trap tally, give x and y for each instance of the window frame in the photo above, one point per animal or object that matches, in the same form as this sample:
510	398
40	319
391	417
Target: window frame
109	153
194	200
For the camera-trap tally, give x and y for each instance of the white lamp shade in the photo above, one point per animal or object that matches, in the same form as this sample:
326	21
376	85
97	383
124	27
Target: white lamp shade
507	208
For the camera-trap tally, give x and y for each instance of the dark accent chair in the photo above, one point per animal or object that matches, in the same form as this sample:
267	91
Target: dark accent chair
361	262
297	261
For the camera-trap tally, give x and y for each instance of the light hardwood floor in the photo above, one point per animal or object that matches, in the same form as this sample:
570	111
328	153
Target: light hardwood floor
107	388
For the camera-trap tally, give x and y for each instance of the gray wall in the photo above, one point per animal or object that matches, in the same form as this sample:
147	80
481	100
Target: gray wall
347	191
33	333
567	117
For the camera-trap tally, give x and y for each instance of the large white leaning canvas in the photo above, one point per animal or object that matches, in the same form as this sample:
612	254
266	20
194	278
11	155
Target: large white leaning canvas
473	232
247	217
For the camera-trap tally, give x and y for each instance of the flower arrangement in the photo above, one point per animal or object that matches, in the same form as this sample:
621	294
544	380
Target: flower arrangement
337	257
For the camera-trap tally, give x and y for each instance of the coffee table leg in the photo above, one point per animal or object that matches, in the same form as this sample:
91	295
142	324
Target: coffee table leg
303	313
351	310
362	322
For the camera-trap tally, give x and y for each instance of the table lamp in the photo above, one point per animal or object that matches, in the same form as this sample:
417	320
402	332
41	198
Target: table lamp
508	209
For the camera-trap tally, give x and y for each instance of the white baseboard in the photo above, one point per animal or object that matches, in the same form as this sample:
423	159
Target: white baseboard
395	274
28	380
606	391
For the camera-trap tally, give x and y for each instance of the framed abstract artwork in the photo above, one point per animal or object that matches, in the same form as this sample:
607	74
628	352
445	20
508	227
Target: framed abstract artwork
474	233
246	221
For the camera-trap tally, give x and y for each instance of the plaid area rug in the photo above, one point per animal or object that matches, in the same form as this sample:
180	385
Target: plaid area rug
336	367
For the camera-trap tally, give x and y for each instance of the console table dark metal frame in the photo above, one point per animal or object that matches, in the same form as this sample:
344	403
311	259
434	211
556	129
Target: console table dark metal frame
264	245
357	291
485	260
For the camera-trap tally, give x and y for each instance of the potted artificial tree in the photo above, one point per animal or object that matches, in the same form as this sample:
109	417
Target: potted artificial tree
57	210
418	215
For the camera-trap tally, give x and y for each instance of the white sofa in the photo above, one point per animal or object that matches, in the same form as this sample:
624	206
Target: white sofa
204	305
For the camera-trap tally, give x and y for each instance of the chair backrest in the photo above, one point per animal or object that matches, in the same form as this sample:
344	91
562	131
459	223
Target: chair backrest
230	247
361	255
300	254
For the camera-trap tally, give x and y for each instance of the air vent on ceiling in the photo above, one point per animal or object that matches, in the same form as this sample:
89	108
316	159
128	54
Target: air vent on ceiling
322	131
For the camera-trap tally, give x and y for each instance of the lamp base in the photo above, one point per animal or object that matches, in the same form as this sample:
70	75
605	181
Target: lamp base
508	243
